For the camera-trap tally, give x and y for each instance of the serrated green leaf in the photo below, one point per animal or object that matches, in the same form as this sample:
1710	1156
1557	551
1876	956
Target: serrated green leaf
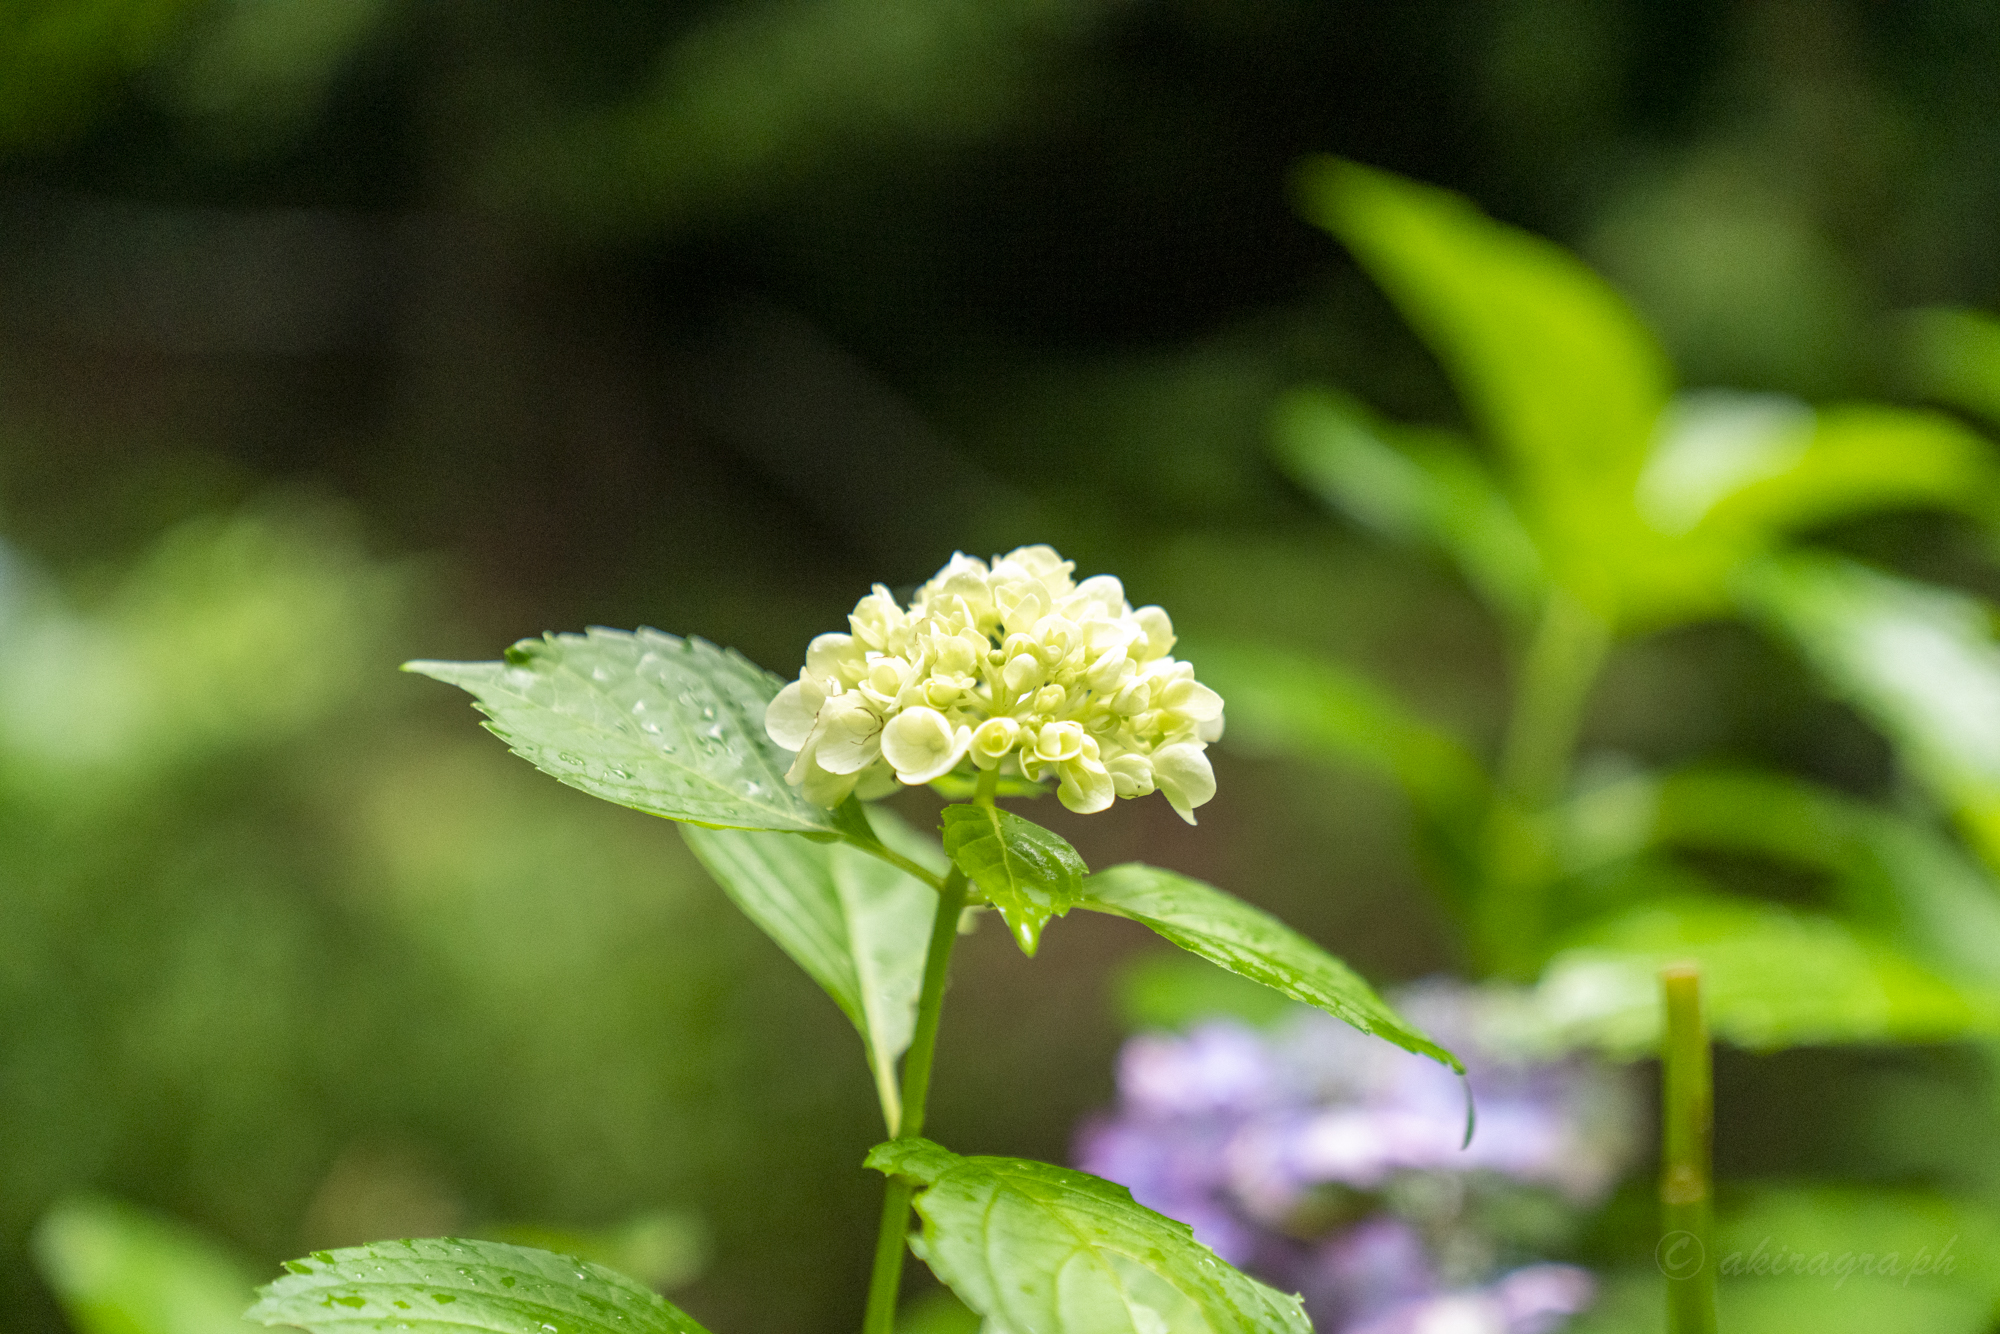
1919	662
670	726
1035	1247
1771	978
121	1270
445	1285
1953	356
661	1248
1415	487
857	925
1251	943
1029	873
1550	361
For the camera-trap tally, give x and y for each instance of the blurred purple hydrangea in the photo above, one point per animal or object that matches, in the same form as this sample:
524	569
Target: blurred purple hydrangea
1334	1164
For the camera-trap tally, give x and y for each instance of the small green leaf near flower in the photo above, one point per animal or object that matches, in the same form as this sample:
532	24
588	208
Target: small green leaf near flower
1027	872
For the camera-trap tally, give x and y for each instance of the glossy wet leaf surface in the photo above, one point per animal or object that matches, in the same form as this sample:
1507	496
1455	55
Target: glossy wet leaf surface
1035	1247
1027	872
670	726
448	1286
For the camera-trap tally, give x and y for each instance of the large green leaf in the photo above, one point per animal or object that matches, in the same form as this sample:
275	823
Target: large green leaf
857	925
1251	943
1414	487
1549	360
445	1285
1885	869
1919	662
670	726
1771	978
1953	356
121	1270
1038	1248
1024	870
1287	703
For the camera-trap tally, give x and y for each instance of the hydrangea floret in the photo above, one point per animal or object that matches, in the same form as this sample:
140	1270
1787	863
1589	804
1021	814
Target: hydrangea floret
1010	666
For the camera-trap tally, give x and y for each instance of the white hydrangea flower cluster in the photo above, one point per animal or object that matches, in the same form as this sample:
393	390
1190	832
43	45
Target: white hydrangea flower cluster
1011	666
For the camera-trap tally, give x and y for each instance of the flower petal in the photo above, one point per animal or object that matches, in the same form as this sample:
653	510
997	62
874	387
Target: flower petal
1183	773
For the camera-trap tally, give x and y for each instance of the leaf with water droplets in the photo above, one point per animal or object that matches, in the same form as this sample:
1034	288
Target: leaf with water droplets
1250	943
670	726
1029	873
1035	1247
857	925
443	1285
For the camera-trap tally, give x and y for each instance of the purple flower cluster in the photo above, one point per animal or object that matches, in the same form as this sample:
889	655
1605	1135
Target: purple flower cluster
1334	1164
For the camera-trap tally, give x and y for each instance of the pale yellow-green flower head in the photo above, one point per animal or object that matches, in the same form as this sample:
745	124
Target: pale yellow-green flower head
1011	666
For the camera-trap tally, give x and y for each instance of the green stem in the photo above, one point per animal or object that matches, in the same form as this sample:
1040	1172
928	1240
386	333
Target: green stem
1687	1122
1557	672
886	1279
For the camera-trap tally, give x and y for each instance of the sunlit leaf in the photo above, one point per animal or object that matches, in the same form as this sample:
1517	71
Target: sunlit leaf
1035	1247
1953	356
1862	457
1414	487
1550	361
121	1270
1251	943
449	1286
857	925
1029	873
1771	978
1919	662
670	726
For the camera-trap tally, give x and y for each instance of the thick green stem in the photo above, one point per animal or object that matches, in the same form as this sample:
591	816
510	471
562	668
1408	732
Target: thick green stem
886	1280
1556	675
1686	1133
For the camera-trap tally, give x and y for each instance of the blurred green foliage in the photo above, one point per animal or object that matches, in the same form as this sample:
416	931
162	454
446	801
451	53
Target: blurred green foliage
708	315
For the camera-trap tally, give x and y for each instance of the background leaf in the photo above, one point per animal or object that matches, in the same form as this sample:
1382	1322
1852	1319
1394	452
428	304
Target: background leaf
117	1269
1029	873
1550	361
1250	942
1886	870
446	1285
670	726
1953	356
1771	978
857	925
1288	703
1414	487
1919	662
1036	1247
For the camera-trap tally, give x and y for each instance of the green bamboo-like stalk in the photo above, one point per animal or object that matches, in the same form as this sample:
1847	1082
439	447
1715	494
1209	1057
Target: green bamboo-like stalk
1687	1121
